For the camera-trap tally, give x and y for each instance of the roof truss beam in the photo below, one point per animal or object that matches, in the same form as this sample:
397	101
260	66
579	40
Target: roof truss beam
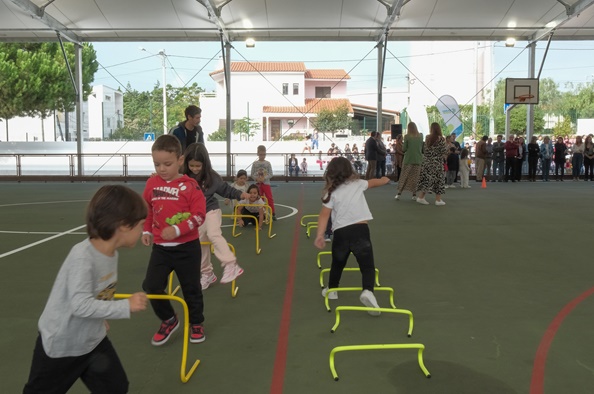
214	14
572	12
48	20
393	12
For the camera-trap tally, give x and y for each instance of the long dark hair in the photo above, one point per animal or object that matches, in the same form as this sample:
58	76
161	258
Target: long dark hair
197	151
339	171
434	134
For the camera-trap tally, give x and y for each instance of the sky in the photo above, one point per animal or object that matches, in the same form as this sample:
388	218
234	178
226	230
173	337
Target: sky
189	62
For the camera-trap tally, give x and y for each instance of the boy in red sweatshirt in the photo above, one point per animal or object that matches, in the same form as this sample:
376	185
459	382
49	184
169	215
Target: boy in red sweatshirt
176	209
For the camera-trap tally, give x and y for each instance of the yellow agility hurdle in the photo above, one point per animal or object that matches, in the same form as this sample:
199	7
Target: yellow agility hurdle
310	226
419	346
303	223
339	289
234	288
325	253
367	309
184	377
322	272
235	217
268	212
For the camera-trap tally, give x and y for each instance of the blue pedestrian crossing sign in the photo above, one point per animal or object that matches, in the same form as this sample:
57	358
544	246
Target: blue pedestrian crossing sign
149	136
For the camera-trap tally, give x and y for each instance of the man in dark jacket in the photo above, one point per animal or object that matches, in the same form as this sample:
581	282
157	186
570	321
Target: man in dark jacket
189	131
371	155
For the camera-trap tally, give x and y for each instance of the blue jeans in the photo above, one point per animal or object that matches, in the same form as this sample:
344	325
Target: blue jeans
498	169
546	168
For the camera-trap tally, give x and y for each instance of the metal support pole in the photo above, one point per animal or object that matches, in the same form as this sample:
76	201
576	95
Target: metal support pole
227	61
507	120
163	56
79	106
530	109
380	82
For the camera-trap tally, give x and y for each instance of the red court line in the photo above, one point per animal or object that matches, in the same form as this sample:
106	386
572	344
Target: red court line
280	361
538	371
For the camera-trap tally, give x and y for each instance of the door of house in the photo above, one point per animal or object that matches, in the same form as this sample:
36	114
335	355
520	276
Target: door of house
275	129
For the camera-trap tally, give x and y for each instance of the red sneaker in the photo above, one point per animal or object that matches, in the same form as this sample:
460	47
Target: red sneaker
167	328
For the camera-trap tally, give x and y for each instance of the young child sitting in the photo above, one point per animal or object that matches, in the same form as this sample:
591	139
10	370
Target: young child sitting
240	184
304	166
254	199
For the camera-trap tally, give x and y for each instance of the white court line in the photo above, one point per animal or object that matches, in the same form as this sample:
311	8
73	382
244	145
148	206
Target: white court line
40	203
41	241
36	232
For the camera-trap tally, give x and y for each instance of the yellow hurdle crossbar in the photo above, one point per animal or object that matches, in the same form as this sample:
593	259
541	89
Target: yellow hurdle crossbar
339	289
303	223
418	346
367	309
184	377
322	272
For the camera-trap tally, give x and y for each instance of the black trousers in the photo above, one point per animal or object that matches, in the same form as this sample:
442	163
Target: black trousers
510	168
356	239
184	259
532	166
100	370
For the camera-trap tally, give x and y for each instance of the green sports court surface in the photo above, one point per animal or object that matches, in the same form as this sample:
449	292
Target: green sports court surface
499	282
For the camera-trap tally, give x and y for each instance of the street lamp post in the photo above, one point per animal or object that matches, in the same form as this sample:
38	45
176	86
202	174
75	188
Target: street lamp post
163	56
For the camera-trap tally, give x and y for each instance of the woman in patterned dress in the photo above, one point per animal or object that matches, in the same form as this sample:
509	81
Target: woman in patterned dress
411	164
432	171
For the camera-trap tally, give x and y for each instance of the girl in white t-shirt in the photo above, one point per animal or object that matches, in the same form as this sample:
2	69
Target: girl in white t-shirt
258	211
343	198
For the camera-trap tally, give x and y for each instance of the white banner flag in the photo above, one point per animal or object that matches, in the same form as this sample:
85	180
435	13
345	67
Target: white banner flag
450	112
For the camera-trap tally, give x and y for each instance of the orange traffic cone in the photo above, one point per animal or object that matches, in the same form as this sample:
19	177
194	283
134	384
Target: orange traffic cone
484	184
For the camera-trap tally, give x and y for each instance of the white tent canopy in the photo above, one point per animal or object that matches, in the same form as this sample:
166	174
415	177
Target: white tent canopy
290	20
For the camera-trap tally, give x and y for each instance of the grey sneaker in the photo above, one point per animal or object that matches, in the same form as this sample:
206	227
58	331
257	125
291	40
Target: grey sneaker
368	299
331	296
206	281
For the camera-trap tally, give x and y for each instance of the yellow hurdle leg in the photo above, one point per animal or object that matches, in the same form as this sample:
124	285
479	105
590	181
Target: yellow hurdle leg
184	376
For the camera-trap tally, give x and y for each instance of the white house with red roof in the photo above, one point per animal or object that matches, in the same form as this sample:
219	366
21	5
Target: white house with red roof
283	97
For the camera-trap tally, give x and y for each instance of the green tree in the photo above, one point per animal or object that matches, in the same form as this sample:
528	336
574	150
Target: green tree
219	135
34	78
564	128
143	111
245	126
328	121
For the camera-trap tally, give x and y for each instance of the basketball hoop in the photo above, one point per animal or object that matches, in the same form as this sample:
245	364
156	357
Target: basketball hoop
525	97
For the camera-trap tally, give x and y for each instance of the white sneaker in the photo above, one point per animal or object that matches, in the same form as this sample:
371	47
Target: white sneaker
422	201
414	198
206	281
440	202
331	296
397	197
447	186
368	299
231	272
452	186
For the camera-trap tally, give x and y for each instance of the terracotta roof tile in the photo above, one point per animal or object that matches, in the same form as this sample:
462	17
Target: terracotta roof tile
326	74
311	106
264	67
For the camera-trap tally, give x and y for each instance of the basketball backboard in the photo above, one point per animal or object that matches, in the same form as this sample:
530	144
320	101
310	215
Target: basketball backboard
521	91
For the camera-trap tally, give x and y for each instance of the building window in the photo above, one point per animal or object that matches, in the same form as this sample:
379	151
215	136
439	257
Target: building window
295	89
323	91
285	88
107	98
